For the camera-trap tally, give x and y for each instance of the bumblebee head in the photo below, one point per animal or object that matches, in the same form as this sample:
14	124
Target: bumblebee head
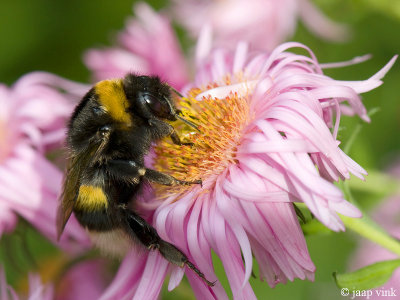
120	104
152	98
149	97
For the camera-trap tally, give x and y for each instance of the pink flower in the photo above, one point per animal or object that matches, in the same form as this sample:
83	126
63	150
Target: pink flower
265	123
85	280
37	291
148	46
32	121
262	23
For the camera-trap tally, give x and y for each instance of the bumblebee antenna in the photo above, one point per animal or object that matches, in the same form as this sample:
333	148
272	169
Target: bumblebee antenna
176	92
187	122
176	112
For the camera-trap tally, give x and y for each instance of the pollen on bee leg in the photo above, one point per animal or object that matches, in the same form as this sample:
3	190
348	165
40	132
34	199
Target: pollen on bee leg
142	171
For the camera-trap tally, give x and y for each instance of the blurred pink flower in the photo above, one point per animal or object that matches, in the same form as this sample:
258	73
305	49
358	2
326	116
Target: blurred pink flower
85	280
37	291
266	123
262	23
32	121
148	46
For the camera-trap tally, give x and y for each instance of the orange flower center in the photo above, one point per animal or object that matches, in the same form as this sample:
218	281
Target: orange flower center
221	123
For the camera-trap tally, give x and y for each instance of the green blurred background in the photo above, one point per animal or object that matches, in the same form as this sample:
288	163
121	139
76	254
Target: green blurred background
52	36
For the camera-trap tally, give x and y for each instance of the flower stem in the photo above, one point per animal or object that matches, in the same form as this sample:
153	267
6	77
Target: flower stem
378	182
371	231
366	227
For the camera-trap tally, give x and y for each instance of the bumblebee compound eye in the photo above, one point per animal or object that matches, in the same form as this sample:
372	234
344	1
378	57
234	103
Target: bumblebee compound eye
97	111
160	106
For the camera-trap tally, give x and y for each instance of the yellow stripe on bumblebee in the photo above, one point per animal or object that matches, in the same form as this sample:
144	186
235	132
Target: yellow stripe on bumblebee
91	198
113	99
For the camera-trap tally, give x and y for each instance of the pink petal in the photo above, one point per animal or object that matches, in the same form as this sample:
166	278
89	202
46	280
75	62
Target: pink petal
127	278
152	277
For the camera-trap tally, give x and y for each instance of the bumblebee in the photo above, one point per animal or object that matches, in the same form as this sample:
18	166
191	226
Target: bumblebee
109	133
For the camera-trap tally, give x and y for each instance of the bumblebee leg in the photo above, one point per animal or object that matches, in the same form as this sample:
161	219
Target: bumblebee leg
130	171
166	129
176	256
164	179
163	128
142	230
149	237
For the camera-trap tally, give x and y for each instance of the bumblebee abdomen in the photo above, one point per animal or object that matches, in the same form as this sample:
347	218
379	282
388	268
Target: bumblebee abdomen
115	243
91	208
91	198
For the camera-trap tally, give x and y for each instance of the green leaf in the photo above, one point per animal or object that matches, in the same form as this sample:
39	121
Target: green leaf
367	278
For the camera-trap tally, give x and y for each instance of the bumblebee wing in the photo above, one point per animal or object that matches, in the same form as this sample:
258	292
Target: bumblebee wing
68	196
63	214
